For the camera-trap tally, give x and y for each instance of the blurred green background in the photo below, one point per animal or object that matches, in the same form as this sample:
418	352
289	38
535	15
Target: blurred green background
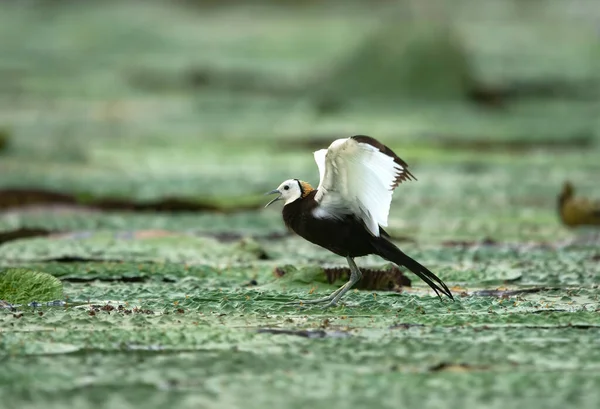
492	105
137	139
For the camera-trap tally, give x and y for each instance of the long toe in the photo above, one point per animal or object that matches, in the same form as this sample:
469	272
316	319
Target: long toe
327	299
331	299
309	303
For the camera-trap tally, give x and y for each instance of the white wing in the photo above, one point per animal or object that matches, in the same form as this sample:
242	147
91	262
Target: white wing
320	159
358	176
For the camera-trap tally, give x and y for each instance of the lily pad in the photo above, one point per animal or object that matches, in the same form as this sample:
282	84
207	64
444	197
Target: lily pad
21	286
158	247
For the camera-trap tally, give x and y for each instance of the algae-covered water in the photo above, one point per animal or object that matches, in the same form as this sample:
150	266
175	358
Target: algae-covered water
137	140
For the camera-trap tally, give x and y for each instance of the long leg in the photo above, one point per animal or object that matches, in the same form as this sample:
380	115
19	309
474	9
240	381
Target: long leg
355	275
334	297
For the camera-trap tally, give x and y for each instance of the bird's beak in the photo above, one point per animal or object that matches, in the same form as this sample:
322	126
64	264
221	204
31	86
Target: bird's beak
272	192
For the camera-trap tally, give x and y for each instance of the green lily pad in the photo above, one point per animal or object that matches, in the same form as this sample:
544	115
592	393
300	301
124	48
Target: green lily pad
156	246
21	286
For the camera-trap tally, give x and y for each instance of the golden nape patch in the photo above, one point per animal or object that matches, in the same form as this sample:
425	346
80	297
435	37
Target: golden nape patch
306	188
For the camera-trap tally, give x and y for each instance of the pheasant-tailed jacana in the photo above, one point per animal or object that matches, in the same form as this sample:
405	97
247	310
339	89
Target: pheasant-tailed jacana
577	211
345	213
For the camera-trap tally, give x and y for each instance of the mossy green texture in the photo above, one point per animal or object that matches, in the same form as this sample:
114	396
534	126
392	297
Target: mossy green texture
186	310
400	60
216	346
21	286
157	246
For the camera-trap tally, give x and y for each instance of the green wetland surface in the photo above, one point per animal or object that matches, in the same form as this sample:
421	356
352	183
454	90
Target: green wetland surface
132	165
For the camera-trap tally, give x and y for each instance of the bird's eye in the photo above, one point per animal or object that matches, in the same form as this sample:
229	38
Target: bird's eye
286	188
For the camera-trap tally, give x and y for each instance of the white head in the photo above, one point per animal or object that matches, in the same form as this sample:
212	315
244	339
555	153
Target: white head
290	190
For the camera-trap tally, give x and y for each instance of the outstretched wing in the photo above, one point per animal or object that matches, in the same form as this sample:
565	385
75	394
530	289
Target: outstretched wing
358	176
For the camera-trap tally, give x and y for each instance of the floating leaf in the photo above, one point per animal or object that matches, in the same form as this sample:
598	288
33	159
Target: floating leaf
20	286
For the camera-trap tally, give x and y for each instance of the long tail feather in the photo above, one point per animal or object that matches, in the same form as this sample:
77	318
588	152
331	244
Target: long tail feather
390	252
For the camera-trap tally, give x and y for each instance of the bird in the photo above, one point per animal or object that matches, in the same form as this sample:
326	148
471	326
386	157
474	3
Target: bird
347	212
577	211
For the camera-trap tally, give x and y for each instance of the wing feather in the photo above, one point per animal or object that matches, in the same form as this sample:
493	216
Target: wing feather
358	176
320	159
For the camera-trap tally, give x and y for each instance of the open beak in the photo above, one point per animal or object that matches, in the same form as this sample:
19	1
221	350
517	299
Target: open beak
272	192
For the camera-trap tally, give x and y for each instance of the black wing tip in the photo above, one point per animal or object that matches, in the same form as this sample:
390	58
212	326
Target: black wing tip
408	176
404	175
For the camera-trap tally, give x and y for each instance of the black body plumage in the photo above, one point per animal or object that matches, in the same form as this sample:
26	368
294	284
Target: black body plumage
344	237
345	213
348	237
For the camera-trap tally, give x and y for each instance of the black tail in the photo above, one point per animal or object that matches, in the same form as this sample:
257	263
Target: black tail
390	252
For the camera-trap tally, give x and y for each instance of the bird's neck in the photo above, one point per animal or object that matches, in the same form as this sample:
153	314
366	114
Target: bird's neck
305	189
296	211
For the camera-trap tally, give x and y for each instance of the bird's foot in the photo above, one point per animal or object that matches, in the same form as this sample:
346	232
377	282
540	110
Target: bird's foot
331	300
331	304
